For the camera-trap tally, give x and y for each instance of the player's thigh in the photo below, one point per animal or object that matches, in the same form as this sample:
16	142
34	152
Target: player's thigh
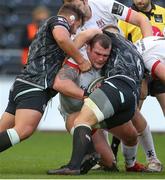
139	121
87	115
26	121
7	121
29	111
126	132
69	121
143	92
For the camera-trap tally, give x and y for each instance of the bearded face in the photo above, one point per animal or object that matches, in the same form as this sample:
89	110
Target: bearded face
142	5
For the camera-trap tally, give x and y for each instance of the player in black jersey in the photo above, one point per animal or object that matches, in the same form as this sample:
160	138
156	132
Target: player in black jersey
33	88
151	86
114	104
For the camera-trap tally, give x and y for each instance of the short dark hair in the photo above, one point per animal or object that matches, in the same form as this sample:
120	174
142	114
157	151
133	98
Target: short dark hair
102	39
69	1
69	9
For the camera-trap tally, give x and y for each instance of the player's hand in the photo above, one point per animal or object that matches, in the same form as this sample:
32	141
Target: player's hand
85	66
93	85
86	93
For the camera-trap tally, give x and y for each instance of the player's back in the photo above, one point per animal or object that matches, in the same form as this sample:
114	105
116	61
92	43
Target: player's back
124	59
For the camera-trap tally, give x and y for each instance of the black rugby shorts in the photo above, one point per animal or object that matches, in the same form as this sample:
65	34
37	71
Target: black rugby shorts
25	96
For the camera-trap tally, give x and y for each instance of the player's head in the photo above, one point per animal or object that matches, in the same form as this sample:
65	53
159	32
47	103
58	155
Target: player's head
40	14
98	50
83	5
143	5
74	16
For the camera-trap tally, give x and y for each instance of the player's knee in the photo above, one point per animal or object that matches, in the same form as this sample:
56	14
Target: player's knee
87	122
131	138
139	122
26	132
143	95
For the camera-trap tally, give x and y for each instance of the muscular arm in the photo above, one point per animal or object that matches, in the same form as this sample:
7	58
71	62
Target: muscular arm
160	72
84	36
141	21
63	39
64	82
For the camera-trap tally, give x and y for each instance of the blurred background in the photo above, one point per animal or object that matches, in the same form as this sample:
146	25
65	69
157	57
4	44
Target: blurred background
19	20
15	15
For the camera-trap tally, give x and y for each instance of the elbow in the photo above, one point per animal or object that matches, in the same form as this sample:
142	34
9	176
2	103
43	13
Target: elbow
57	85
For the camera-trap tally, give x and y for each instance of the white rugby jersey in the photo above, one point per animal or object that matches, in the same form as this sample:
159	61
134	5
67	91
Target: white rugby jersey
106	12
153	51
69	105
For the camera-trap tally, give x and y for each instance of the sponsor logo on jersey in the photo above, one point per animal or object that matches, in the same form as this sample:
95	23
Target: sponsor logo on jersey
142	45
100	23
62	19
158	18
117	9
63	22
156	31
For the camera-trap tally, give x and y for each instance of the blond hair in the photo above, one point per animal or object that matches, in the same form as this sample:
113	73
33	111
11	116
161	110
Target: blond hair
41	10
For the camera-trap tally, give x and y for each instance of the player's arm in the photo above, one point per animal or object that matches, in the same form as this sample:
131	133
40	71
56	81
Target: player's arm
141	21
158	71
62	37
84	36
65	82
129	15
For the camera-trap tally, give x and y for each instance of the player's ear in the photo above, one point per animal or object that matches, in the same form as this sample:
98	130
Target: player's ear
72	19
88	48
85	2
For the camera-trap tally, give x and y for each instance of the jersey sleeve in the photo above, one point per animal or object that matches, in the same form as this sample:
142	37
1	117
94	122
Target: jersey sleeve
150	61
119	10
58	21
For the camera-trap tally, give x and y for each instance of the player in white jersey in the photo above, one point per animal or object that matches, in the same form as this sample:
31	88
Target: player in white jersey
100	13
152	50
129	136
97	51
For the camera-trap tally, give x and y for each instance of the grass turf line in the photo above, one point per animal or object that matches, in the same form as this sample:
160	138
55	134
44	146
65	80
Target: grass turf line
46	150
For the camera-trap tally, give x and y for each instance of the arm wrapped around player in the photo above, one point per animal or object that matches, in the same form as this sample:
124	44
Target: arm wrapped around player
93	85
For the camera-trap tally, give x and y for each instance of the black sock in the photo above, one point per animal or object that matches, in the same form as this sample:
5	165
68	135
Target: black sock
81	141
114	145
91	148
5	142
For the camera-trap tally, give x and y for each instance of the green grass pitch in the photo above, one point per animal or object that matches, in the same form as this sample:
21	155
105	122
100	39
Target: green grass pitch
46	150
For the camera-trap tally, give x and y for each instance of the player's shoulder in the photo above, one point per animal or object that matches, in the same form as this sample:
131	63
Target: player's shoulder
102	3
159	9
59	21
